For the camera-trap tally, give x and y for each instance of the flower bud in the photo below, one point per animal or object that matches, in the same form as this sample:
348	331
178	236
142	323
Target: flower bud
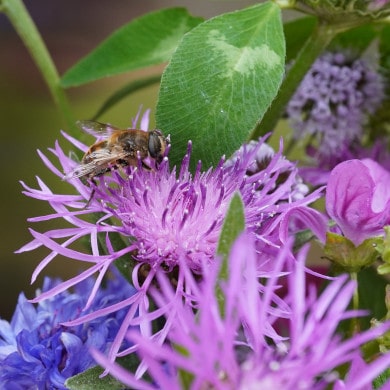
358	199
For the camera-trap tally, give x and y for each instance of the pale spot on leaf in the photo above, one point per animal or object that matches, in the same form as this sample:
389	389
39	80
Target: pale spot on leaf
243	60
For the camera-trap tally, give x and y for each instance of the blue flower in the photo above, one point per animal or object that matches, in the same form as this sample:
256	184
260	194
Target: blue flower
37	351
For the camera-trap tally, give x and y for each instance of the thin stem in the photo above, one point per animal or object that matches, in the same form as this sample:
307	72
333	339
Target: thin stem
28	32
355	325
313	47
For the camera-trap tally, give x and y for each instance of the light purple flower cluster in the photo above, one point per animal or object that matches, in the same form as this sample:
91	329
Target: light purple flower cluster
166	218
38	352
238	347
333	102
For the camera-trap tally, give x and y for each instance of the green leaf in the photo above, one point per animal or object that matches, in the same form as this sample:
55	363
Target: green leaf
384	47
233	225
382	379
128	89
356	40
296	33
89	380
384	52
371	287
220	81
145	41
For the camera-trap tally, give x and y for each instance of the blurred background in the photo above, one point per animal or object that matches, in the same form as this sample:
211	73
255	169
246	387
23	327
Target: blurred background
30	121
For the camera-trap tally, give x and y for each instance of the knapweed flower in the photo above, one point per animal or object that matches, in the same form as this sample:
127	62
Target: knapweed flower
237	347
358	199
333	102
166	217
37	352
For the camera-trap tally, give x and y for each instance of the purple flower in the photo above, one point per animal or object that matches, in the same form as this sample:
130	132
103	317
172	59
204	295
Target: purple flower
358	199
333	103
37	352
166	218
238	347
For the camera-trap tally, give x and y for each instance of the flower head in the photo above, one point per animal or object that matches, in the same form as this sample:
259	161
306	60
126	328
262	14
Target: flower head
333	102
166	217
240	348
180	215
358	198
36	351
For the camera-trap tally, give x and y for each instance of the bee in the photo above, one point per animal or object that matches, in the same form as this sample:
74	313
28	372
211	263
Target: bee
118	148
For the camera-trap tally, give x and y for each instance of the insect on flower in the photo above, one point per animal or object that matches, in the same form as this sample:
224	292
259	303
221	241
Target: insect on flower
118	148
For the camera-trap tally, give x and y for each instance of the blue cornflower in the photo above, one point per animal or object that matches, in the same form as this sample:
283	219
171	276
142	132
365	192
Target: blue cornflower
37	352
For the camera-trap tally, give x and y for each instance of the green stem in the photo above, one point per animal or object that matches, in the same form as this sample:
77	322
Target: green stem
28	32
313	47
355	325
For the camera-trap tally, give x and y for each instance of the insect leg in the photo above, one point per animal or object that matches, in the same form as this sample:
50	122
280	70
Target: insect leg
145	166
93	186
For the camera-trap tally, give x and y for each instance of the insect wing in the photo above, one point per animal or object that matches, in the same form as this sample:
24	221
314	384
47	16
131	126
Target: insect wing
96	129
81	170
99	159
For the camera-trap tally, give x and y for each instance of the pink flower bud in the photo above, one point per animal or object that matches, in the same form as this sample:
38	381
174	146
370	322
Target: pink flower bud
358	198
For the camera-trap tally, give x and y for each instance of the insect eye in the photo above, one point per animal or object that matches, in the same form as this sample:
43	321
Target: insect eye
156	145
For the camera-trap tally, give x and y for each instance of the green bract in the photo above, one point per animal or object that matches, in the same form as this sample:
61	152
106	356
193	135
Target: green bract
350	258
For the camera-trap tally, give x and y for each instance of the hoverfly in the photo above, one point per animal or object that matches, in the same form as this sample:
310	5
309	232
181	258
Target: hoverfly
118	148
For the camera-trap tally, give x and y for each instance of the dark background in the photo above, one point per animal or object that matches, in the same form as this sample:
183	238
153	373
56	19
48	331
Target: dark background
30	120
